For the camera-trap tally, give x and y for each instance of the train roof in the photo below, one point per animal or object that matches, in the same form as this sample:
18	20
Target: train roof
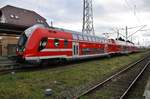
76	35
119	42
76	32
65	30
81	34
123	43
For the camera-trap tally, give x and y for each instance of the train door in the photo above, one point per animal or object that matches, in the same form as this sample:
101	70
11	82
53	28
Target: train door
75	47
106	48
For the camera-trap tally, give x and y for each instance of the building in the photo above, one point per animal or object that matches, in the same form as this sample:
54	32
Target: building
8	45
20	17
13	21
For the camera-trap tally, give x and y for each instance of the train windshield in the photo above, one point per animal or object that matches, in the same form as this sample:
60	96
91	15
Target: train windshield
22	40
21	43
24	37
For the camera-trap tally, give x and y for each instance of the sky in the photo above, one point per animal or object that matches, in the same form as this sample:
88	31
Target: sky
109	15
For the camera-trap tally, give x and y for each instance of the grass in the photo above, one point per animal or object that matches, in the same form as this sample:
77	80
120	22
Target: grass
64	81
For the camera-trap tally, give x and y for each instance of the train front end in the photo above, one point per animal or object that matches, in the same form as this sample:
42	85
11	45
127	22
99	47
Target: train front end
26	44
21	47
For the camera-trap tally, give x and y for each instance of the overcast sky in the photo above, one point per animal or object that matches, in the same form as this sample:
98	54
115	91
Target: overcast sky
108	15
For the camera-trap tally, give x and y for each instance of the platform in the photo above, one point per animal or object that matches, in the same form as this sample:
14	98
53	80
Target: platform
147	90
5	61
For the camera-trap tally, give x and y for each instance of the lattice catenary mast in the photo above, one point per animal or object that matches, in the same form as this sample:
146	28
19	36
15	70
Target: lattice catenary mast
88	27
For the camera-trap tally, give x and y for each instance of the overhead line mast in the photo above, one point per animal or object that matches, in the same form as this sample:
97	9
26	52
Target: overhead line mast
88	27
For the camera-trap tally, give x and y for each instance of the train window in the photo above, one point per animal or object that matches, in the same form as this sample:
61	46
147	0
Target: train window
100	40
80	37
56	42
22	40
96	39
65	43
90	38
93	38
85	38
75	36
103	41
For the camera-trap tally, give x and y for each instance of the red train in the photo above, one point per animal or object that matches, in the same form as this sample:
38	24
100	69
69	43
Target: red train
38	43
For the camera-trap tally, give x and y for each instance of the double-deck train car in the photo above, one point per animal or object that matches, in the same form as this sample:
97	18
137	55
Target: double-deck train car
38	43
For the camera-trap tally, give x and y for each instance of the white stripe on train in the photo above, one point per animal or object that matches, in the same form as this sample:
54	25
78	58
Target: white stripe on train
64	56
72	57
54	50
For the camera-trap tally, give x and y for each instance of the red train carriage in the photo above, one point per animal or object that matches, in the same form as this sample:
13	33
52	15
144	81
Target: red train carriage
38	43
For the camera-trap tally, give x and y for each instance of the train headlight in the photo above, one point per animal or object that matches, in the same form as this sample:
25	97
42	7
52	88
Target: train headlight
43	43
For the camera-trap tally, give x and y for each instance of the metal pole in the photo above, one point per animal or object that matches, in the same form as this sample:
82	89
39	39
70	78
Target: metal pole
117	33
126	33
88	26
83	27
126	36
131	39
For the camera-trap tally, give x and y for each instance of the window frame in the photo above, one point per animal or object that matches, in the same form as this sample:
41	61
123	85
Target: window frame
89	38
75	36
66	43
93	39
55	42
80	37
12	16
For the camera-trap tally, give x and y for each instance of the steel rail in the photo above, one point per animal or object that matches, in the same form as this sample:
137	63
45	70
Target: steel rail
130	86
110	78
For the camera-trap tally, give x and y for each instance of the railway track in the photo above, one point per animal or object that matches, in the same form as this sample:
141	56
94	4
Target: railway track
120	83
28	67
14	67
17	67
8	65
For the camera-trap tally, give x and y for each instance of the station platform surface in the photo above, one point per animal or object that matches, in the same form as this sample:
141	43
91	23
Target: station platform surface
147	90
6	61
